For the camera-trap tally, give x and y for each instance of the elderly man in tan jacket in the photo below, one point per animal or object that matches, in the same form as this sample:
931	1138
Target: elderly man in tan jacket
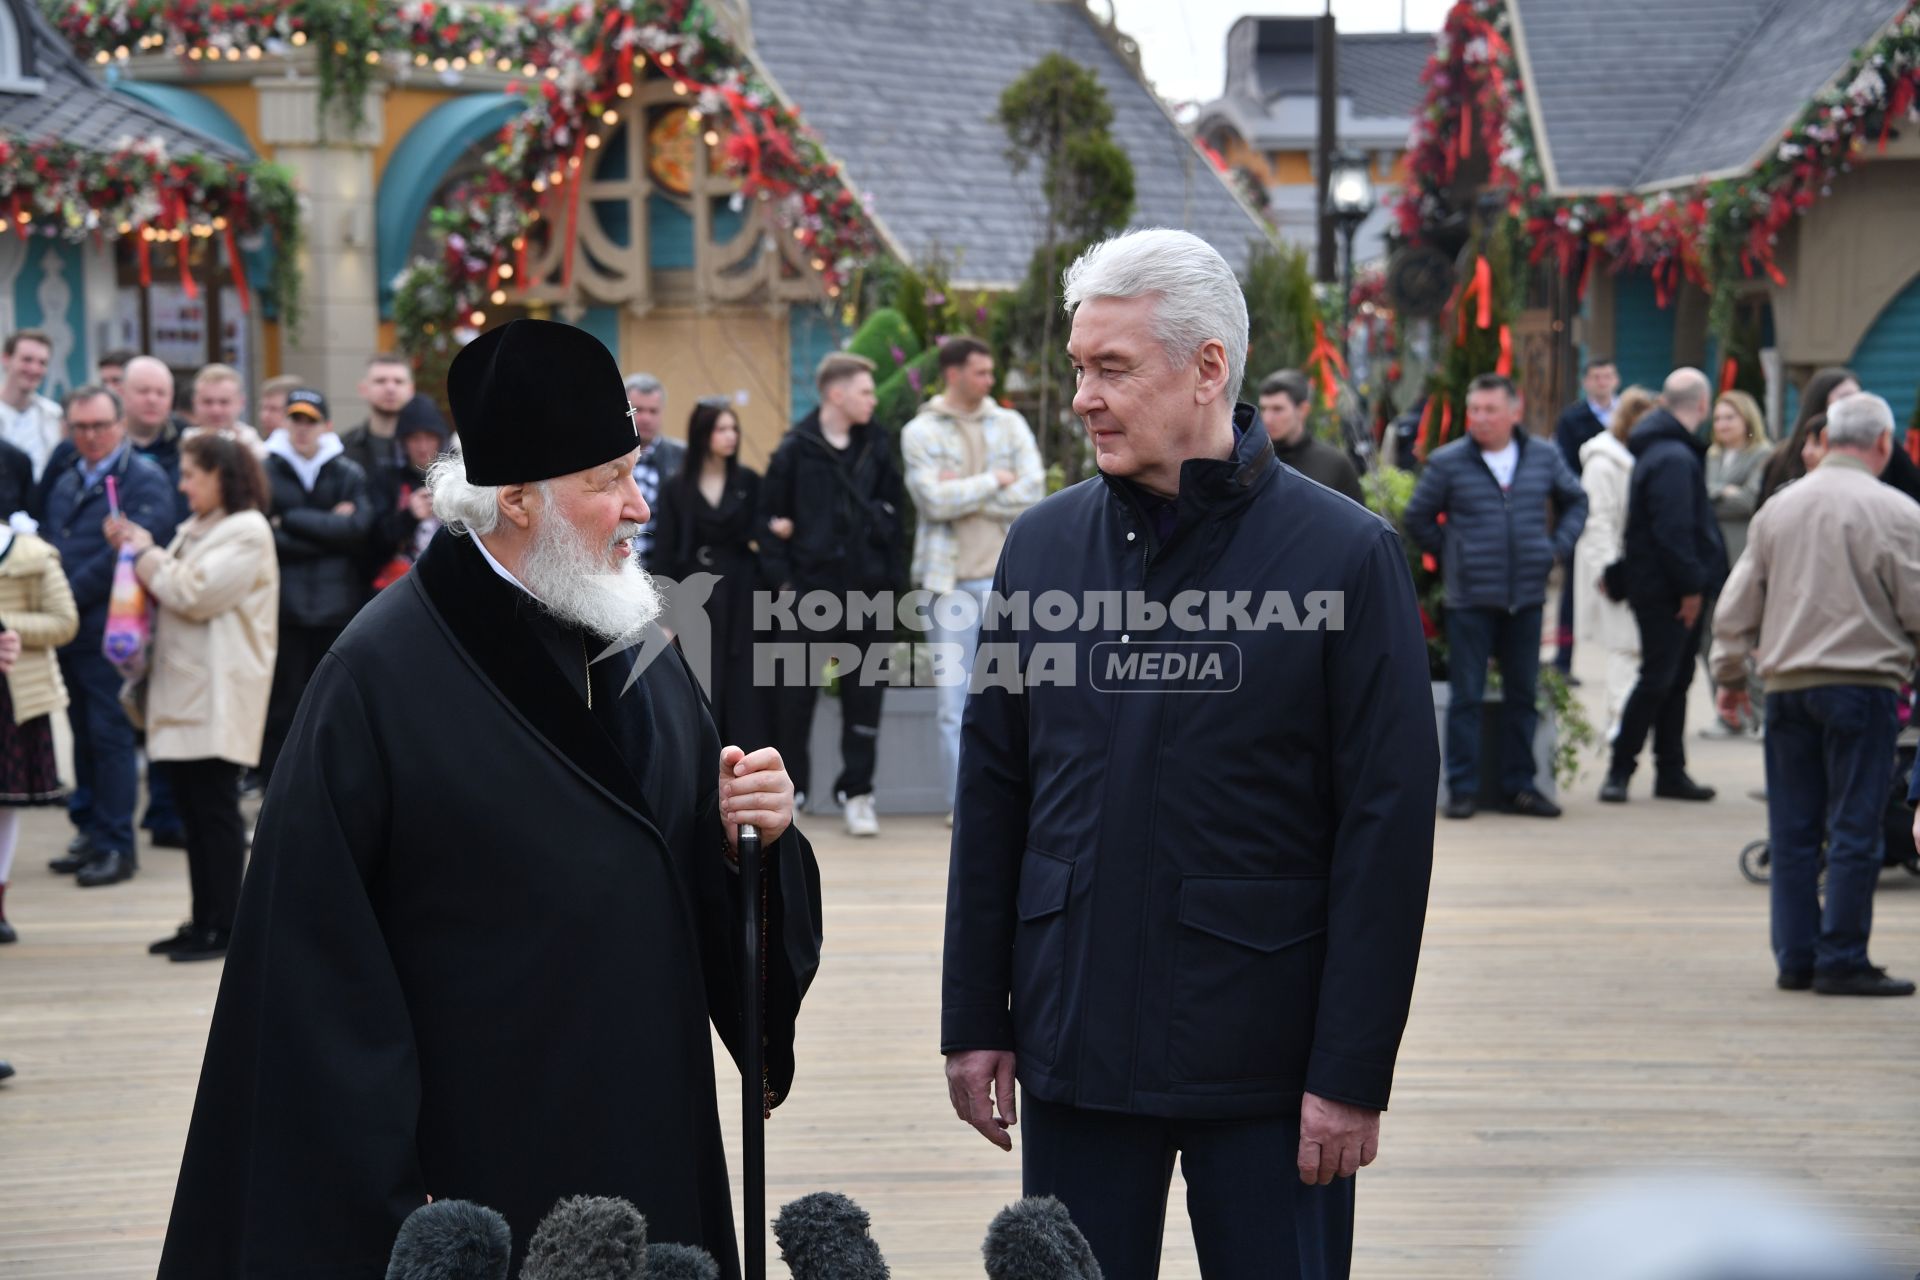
1828	590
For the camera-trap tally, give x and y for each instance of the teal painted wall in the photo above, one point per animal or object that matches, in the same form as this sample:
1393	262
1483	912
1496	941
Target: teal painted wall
812	335
604	324
415	170
1642	333
29	313
1888	358
195	110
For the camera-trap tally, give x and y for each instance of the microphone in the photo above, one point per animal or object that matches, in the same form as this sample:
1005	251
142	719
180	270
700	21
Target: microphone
680	1262
451	1240
823	1236
588	1238
1035	1239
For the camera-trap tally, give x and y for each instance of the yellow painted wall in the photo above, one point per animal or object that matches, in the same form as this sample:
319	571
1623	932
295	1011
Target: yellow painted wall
716	353
1290	169
405	109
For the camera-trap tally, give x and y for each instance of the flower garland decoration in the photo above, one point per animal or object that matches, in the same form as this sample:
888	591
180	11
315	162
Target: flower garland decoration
1713	234
574	67
141	191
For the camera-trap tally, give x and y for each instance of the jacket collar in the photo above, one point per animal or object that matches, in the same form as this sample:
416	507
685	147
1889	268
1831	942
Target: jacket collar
1660	425
1215	486
493	622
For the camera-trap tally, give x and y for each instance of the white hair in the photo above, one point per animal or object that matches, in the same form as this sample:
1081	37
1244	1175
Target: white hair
573	580
462	507
1858	421
1196	295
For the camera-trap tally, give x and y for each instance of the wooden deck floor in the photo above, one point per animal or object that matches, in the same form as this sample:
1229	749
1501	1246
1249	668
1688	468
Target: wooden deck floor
1595	995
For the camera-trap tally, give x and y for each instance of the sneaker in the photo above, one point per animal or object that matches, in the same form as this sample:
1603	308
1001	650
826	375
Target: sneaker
1722	729
859	815
1867	980
1531	804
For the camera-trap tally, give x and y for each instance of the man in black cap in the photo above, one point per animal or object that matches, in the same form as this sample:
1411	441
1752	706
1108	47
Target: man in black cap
492	910
321	518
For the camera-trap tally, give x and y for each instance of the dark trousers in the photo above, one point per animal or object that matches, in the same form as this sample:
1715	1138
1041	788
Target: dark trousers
793	706
1659	698
1563	632
1829	766
104	766
163	815
301	648
1475	636
208	795
1253	1219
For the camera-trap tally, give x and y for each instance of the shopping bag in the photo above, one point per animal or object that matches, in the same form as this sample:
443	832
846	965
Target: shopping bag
129	624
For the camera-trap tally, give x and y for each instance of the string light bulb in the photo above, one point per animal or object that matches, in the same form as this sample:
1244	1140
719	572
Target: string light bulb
506	268
610	116
712	138
477	319
624	89
593	142
299	38
499	298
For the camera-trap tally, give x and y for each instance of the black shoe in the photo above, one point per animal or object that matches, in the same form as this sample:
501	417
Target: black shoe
172	838
1678	786
6	1069
1614	789
1531	804
107	868
1462	807
166	946
1795	980
1867	980
206	944
7	934
80	852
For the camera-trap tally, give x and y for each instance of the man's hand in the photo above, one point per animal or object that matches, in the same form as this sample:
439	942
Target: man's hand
1337	1139
1732	704
343	508
945	476
977	1080
755	789
1689	609
780	527
1004	477
9	651
123	533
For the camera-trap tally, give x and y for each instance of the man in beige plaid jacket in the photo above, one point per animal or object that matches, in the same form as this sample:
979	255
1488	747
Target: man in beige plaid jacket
972	467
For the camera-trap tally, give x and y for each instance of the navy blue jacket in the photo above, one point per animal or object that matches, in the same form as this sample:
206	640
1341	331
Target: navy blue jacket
1497	547
76	513
1576	425
1196	898
1673	545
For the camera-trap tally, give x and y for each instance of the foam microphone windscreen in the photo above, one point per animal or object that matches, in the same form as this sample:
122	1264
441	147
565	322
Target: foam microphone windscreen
588	1238
823	1236
1035	1239
451	1240
680	1262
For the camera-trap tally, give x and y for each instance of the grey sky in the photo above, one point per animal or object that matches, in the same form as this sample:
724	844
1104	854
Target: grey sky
1184	42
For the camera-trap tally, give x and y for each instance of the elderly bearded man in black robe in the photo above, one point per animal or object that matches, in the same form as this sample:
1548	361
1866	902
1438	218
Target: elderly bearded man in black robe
491	909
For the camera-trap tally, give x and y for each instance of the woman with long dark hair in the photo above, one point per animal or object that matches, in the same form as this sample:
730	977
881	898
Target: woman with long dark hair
1786	465
218	590
709	522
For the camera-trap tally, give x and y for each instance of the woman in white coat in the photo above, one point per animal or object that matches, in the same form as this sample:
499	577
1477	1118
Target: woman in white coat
1605	469
218	589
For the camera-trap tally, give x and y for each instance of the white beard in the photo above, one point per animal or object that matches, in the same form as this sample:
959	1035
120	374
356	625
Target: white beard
574	580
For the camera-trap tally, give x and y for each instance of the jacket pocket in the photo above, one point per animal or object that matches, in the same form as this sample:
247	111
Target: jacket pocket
1039	954
179	693
1246	978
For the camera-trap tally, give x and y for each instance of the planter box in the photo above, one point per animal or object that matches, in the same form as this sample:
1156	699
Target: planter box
1545	739
908	776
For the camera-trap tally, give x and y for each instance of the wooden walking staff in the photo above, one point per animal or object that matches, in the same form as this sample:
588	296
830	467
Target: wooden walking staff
753	1070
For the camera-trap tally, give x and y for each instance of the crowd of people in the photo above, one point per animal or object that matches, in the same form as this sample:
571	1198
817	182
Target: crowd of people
1668	512
258	546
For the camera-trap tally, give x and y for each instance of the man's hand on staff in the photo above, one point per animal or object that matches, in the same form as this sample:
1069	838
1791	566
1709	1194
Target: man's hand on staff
1337	1139
755	789
977	1080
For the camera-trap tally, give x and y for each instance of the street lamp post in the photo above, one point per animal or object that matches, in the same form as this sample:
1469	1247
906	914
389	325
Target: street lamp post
1350	199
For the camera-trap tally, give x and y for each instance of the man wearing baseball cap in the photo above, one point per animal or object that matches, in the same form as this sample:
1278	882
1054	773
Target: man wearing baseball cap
321	519
492	913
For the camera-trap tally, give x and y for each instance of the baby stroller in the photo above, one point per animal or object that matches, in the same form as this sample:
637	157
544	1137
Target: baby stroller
1896	821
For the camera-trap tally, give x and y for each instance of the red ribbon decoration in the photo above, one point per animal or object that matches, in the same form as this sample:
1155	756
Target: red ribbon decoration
1426	423
1729	374
1327	358
1505	367
520	260
239	271
187	285
1483	286
1446	419
1466	129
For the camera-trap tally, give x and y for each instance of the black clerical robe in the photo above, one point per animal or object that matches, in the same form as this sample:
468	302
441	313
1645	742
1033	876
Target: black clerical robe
478	949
